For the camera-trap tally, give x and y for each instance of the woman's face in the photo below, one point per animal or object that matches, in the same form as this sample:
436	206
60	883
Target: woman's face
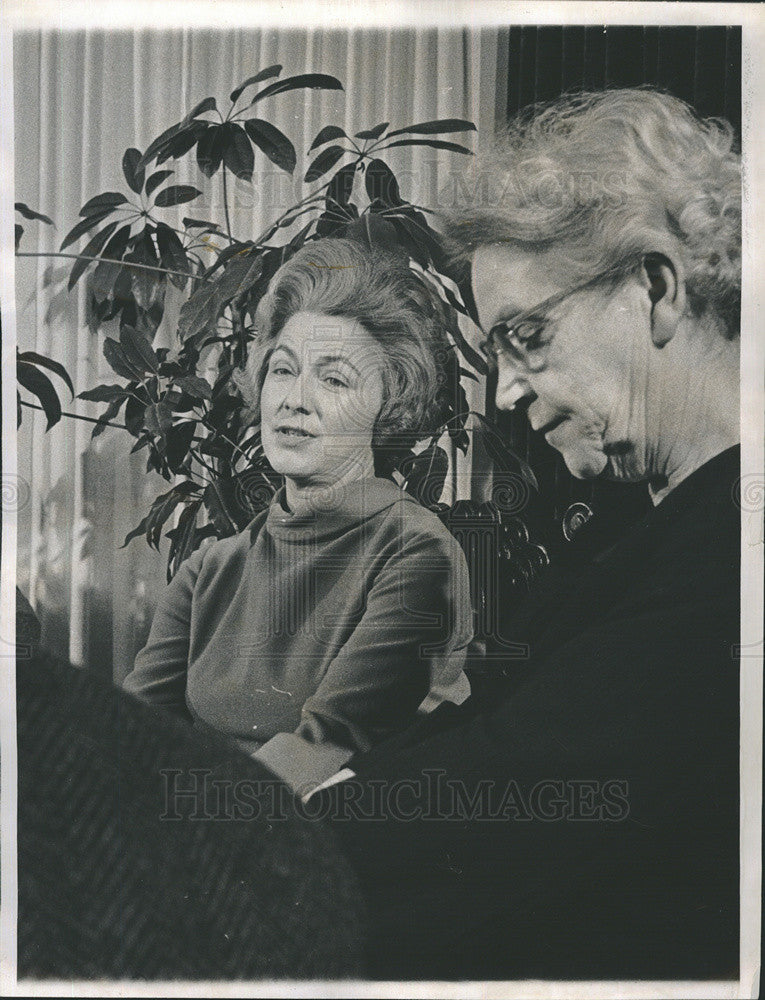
588	362
321	396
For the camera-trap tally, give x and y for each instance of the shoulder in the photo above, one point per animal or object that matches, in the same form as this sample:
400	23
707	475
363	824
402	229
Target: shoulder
416	529
221	553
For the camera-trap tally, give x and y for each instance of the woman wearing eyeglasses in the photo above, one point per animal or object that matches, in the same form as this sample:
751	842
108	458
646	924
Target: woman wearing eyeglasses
605	251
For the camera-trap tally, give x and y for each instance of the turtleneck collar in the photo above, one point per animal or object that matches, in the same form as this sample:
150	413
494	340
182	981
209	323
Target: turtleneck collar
339	509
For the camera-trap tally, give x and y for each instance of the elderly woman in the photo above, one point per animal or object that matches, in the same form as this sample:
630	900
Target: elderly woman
605	246
344	608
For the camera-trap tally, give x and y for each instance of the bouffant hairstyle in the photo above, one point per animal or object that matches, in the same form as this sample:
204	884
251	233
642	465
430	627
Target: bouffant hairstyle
607	177
378	288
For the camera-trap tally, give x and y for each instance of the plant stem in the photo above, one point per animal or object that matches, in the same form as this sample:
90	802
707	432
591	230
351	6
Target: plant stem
225	203
111	260
227	440
76	416
314	196
202	462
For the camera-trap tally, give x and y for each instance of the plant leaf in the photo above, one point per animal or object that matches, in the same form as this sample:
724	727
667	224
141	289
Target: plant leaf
118	243
111	411
264	74
176	194
206	104
158	144
91	250
138	350
219	510
272	142
239	276
201	224
104	278
199	310
238	156
115	355
178	439
133	169
426	474
155	180
341	186
178	145
326	134
109	199
160	511
84	226
29	213
195	386
323	162
134	411
440	126
372	230
143	442
312	81
381	183
210	150
158	419
432	143
138	530
32	379
104	393
184	538
147	286
54	366
101	287
373	133
172	254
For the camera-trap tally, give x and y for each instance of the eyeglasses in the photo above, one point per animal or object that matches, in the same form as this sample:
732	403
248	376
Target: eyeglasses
523	335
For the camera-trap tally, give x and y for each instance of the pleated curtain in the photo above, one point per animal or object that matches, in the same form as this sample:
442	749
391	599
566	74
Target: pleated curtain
83	97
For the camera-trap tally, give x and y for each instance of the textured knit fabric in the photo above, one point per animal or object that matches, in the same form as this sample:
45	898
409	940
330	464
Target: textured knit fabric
315	635
122	875
585	825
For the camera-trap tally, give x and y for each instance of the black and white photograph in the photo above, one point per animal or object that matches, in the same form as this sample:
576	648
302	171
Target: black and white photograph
382	491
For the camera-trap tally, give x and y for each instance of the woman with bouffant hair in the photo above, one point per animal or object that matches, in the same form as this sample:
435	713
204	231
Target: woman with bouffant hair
343	610
380	291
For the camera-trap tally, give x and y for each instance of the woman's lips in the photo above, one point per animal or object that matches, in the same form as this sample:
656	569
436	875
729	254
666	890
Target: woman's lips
293	435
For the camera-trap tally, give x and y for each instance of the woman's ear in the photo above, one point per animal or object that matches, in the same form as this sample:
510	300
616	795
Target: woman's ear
664	281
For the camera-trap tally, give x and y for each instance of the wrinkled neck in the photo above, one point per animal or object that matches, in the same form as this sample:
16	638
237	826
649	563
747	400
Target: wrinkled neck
695	413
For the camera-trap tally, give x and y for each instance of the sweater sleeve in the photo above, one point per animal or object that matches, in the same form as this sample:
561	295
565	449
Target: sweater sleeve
406	653
159	673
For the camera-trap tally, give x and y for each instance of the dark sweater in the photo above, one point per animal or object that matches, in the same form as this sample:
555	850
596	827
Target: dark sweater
314	637
633	678
121	875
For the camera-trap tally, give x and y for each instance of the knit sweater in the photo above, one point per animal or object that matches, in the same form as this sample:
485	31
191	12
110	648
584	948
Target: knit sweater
309	638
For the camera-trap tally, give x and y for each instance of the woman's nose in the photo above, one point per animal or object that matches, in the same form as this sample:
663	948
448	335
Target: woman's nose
298	396
511	388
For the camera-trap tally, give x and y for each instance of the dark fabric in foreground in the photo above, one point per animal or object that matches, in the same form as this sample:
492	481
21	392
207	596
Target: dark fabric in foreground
109	888
633	676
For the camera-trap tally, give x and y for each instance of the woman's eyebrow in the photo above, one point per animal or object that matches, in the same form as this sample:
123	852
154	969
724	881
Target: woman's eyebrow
287	350
330	359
